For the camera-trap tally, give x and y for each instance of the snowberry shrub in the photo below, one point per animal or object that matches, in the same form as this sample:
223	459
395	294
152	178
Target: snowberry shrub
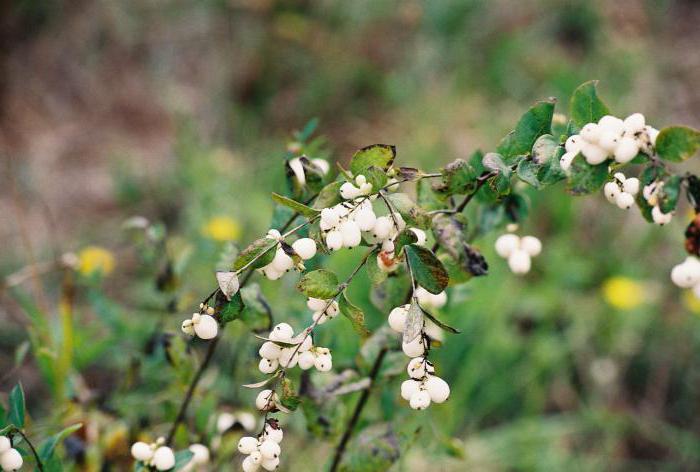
414	249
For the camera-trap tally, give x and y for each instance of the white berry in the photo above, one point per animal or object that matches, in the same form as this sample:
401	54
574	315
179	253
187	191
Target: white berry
6	445
306	360
247	444
420	400
141	451
323	363
624	201
305	248
519	262
334	240
397	318
531	245
11	460
163	458
408	388
506	244
438	389
249	465
282	332
414	348
270	350
264	400
206	327
268	366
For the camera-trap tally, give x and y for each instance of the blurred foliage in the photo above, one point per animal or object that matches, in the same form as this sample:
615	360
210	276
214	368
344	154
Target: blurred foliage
589	362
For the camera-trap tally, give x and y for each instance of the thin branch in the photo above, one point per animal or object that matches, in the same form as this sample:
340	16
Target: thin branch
39	464
361	403
190	390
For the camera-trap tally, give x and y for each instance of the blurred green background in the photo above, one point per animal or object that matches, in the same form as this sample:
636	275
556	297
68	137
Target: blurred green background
180	112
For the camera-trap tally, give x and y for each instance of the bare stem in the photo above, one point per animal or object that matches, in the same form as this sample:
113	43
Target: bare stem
361	403
190	390
39	464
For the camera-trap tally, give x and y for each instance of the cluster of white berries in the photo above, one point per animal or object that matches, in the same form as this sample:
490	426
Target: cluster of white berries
302	352
203	324
651	194
344	223
10	458
610	137
282	263
361	187
423	387
687	274
621	190
323	310
155	455
263	451
518	251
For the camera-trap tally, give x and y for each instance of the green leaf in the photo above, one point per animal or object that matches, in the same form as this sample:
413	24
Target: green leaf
427	269
375	274
300	208
458	178
548	152
426	198
378	155
328	196
585	178
677	143
450	232
319	283
377	177
409	210
354	314
182	458
585	106
533	124
402	239
670	192
48	447
545	149
16	404
306	132
229	310
440	324
494	162
527	171
260	248
289	399
392	292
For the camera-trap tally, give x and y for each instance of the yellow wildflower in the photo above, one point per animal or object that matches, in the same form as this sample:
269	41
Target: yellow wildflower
691	302
623	293
94	259
222	228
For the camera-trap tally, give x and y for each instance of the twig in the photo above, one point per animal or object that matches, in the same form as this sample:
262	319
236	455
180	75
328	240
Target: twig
340	449
190	390
210	352
480	181
39	464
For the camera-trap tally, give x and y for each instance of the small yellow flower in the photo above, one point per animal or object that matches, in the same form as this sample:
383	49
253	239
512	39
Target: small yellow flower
94	259
222	228
623	293
691	302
